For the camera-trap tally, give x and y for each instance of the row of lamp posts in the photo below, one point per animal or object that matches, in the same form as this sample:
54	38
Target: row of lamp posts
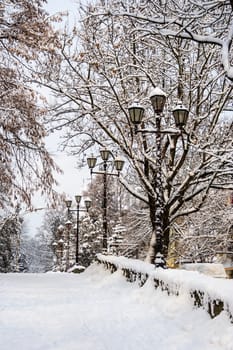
78	209
136	113
92	162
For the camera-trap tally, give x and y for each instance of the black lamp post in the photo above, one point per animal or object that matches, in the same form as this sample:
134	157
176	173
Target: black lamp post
60	253
180	114
118	163
77	210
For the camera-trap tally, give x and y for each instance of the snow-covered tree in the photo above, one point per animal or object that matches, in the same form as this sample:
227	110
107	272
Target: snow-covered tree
91	223
26	250
49	233
208	23
25	164
10	230
206	236
104	66
129	230
90	238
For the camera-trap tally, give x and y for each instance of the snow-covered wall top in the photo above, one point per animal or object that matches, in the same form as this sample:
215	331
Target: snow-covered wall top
214	294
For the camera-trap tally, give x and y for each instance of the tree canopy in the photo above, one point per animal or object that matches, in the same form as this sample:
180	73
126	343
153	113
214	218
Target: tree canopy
203	22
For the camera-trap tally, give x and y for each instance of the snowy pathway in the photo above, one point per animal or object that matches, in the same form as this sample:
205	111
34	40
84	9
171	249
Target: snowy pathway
99	311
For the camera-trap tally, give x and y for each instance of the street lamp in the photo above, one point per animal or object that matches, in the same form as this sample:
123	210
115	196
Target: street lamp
87	203
118	164
180	114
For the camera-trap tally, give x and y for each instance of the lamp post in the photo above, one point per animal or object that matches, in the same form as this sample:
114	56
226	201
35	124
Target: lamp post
180	114
54	245
77	210
118	163
68	226
60	253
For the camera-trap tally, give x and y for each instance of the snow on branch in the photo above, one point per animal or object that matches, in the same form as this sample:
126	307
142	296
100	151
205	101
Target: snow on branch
207	23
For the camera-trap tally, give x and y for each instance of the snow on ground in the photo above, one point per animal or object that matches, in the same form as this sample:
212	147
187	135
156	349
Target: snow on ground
97	310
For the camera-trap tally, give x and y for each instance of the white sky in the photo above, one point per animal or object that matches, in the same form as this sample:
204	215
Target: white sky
54	6
73	180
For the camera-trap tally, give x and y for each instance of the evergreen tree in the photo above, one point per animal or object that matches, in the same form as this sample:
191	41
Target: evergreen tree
10	229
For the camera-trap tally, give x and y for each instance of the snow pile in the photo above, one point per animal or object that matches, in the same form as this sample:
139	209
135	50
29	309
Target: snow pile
131	264
215	270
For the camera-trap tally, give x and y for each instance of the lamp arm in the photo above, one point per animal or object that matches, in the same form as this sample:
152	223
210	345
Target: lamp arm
75	210
103	172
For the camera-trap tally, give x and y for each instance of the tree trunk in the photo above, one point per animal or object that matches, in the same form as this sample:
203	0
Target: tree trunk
152	250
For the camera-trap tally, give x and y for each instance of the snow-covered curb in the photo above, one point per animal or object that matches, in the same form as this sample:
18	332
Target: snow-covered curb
212	294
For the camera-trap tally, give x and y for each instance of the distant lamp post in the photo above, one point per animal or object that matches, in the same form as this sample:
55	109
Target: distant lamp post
87	203
68	225
180	114
60	252
118	164
54	245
